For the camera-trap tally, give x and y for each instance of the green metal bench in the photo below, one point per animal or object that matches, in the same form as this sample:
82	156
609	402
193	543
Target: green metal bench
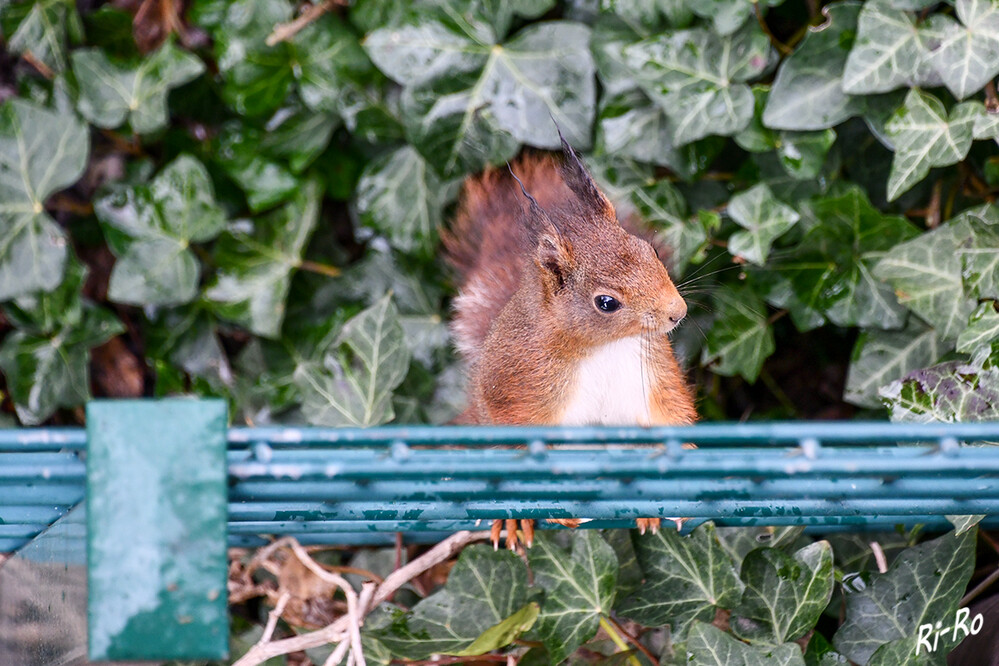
169	485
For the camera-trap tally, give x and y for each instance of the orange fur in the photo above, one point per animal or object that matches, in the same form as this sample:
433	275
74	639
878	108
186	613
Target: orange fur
525	317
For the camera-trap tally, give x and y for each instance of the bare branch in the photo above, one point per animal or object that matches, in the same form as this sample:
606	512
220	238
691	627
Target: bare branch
354	620
341	630
285	31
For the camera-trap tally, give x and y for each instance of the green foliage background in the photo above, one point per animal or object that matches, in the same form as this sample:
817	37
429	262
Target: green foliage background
208	205
210	202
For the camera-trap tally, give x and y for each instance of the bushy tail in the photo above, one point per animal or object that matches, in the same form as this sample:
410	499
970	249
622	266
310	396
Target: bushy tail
489	242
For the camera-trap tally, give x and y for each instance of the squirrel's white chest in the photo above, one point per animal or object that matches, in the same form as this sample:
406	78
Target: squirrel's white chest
611	387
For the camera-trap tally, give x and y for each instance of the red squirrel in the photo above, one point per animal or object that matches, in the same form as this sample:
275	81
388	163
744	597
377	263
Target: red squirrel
562	315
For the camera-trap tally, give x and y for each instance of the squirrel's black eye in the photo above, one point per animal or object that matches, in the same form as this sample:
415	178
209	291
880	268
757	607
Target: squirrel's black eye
607	303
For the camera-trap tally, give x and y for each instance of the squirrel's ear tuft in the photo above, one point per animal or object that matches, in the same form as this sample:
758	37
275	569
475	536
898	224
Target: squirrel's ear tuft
579	180
555	258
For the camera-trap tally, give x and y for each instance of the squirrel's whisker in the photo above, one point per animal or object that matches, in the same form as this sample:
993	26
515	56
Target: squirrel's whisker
700	306
699	328
695	280
689	277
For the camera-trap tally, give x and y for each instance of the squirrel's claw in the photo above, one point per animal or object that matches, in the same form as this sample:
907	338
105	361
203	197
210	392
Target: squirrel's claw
678	522
494	533
511	533
527	527
647	524
653	524
513	537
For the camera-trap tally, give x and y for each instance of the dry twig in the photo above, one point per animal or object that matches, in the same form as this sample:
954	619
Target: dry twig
42	68
346	629
273	617
354	624
285	31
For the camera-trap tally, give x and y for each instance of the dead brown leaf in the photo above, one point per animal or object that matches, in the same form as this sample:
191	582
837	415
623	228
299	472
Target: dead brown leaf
311	604
116	371
154	21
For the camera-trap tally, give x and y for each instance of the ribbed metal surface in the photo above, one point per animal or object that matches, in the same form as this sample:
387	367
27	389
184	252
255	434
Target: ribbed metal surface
361	485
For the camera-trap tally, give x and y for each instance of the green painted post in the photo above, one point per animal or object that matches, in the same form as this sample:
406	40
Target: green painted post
156	529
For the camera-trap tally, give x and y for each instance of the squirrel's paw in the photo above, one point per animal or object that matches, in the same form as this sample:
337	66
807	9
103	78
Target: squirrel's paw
566	522
647	525
512	537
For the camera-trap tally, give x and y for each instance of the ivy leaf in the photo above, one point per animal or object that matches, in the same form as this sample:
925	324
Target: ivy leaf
256	77
979	251
188	338
47	372
631	125
948	392
912	5
764	218
399	196
801	154
653	15
41	152
662	206
926	274
903	650
727	16
484	589
298	135
785	595
709	646
890	51
369	359
778	292
968	55
982	331
923	585
698	78
880	357
469	99
42	29
964	523
808	91
832	270
266	182
579	588
819	652
758	138
987	125
328	61
425	335
612	35
381	271
925	136
740	339
686	579
256	259
629	574
503	633
112	92
269	371
162	220
740	541
501	14
46	361
325	59
371	113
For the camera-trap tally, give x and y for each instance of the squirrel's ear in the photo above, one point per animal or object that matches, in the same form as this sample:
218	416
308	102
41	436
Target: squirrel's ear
555	259
579	180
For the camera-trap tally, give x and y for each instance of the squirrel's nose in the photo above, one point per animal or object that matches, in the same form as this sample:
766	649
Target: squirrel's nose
677	310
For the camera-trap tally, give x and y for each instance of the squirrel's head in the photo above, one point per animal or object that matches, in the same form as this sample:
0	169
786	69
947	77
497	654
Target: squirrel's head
597	279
